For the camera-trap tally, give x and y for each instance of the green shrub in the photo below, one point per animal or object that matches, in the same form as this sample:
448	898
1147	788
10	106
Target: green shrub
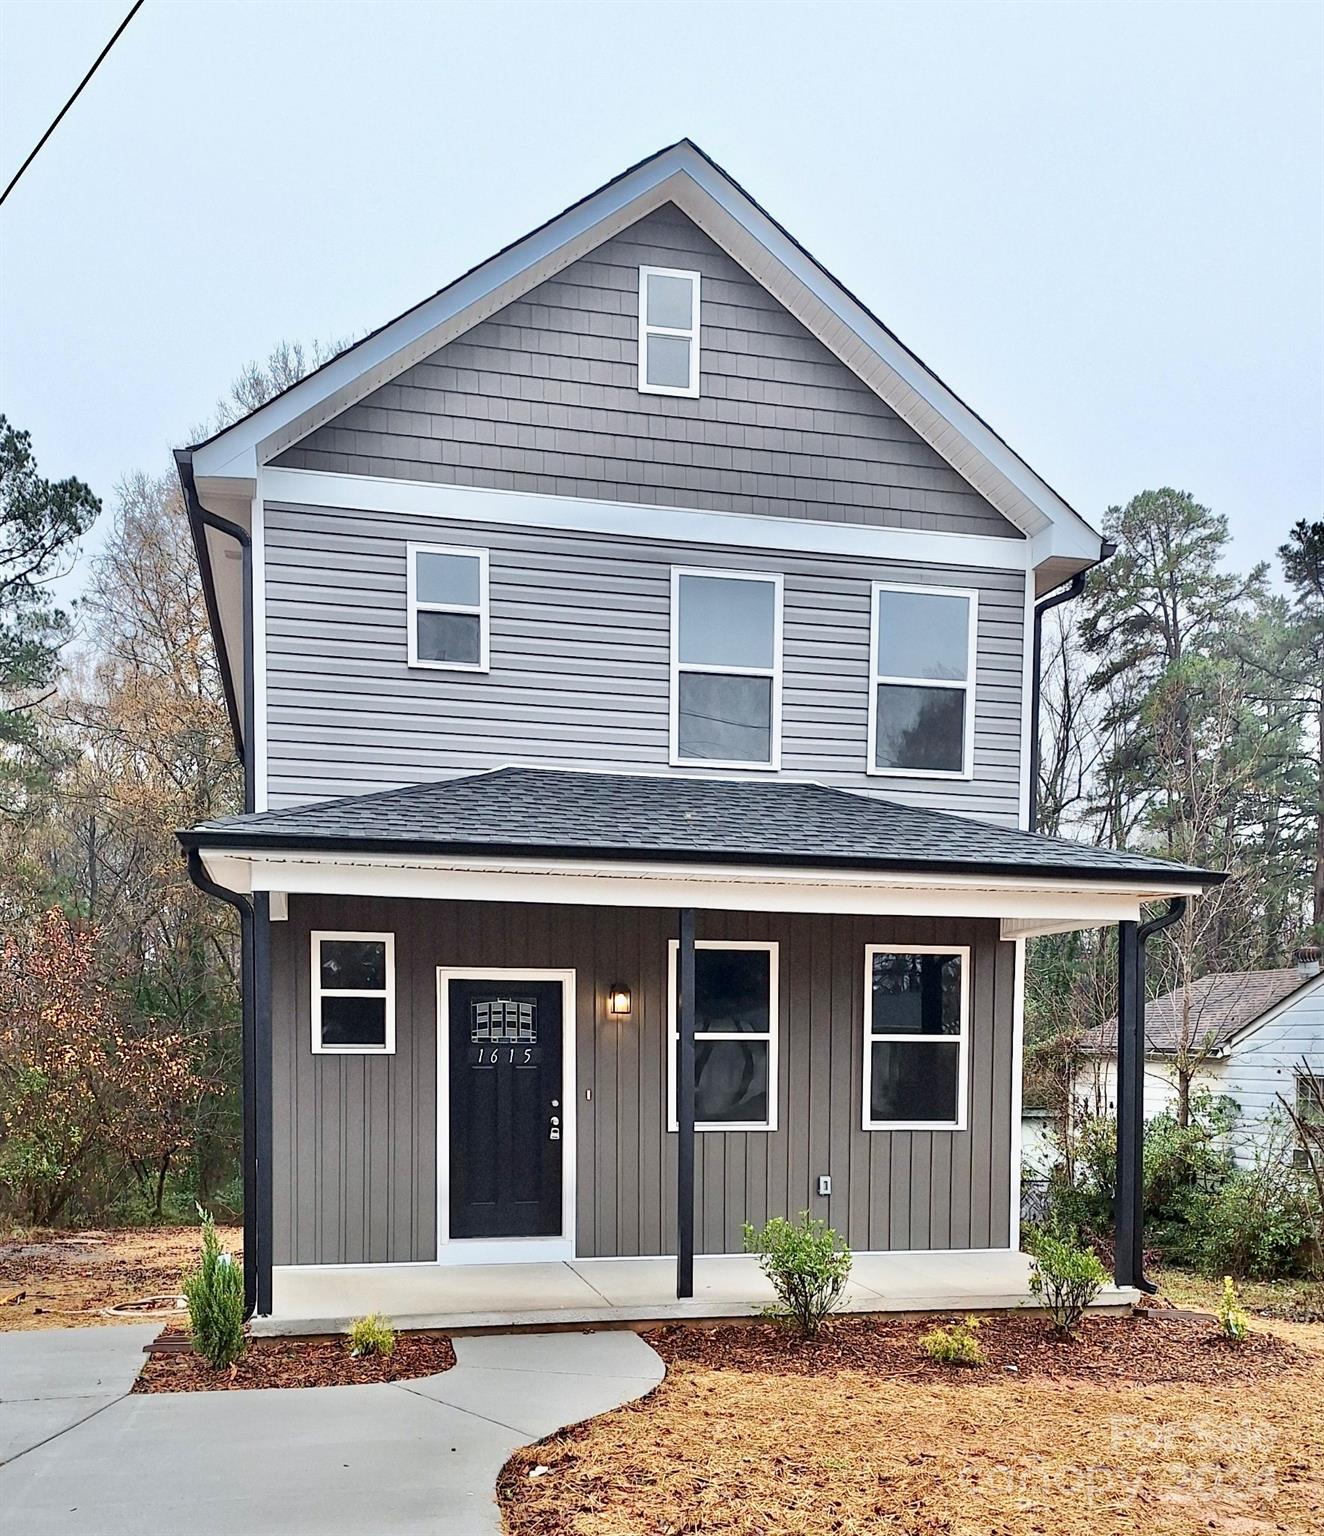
1233	1323
808	1266
1258	1224
1065	1278
215	1296
957	1345
371	1335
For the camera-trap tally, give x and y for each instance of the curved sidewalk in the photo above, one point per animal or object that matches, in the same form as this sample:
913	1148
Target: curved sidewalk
393	1458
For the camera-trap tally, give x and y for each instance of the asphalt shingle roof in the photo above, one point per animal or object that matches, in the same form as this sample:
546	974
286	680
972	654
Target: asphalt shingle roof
1216	1007
540	811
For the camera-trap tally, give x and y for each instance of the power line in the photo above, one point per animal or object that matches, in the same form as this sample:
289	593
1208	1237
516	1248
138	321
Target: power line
134	9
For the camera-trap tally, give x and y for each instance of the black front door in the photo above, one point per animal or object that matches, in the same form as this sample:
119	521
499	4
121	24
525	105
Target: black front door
506	1108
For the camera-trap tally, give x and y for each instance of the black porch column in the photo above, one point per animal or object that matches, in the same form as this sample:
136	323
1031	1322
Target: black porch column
1128	1235
685	1108
263	1230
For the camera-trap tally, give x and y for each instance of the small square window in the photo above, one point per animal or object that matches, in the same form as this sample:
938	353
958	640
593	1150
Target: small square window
447	607
668	332
353	993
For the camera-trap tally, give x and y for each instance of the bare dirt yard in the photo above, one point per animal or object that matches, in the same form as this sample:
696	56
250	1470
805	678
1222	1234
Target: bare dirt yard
1139	1428
68	1279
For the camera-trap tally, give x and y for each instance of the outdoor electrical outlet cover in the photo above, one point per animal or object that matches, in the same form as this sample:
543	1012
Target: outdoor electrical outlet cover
825	1183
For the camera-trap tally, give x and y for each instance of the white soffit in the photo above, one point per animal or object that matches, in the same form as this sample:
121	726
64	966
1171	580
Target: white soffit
683	175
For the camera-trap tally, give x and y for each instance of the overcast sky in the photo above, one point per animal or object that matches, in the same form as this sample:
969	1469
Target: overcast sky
1103	225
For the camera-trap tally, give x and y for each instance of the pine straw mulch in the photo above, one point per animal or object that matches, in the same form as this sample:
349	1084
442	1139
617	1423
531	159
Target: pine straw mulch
1138	1428
298	1363
68	1279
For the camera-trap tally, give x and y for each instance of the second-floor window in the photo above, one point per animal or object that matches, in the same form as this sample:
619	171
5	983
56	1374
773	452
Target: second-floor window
921	703
668	332
726	630
447	607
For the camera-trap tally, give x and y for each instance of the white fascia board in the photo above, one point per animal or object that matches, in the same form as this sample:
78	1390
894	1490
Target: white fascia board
684	176
430	499
1034	904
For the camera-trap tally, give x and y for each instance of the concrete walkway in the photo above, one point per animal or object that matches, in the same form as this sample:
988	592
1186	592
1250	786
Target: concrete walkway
81	1456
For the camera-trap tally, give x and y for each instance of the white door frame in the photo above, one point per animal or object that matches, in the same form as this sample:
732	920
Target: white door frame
505	1250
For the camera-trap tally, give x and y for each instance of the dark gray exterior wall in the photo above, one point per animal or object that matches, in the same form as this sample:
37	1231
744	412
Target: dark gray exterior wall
580	664
355	1151
543	397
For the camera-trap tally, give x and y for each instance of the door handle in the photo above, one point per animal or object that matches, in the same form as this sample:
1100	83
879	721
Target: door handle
555	1133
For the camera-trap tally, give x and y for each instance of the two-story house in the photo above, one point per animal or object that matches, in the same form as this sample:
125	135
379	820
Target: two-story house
631	649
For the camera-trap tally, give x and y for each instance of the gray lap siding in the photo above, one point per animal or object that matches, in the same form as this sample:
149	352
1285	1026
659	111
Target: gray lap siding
543	397
580	659
355	1169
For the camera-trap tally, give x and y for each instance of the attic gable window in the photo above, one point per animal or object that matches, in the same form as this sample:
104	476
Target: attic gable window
448	608
668	332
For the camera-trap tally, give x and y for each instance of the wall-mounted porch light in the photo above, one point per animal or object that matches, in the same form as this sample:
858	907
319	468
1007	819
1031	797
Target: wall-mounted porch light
619	1001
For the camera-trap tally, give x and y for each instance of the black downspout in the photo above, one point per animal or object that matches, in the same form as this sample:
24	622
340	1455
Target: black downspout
685	1107
1129	1229
254	965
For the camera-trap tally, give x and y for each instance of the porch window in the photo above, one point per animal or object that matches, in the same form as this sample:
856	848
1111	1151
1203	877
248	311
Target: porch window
668	332
726	631
916	1028
921	703
735	1035
353	993
448	607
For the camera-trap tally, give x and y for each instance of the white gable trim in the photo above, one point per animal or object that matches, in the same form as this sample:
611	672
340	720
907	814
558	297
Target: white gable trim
681	174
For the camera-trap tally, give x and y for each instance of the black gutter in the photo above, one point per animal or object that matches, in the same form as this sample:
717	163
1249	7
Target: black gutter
199	876
199	519
1132	1005
1181	874
1068	594
254	914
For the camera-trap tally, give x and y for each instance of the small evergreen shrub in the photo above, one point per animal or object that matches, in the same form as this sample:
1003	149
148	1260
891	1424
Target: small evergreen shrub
1065	1278
371	1335
215	1296
1233	1323
808	1266
1258	1223
957	1345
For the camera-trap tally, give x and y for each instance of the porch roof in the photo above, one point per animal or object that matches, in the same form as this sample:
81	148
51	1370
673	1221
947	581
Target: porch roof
540	812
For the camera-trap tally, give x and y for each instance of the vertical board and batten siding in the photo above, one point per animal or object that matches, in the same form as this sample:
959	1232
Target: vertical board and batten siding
543	397
355	1155
580	660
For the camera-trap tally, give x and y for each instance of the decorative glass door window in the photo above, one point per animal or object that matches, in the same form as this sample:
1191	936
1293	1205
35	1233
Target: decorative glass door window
916	1027
353	993
668	332
726	635
922	691
448	607
735	1035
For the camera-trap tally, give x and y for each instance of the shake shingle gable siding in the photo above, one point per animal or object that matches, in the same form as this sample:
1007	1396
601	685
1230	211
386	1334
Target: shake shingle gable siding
543	397
580	659
622	816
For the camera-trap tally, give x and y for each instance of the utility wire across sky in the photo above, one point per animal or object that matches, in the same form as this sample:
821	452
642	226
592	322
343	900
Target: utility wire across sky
96	64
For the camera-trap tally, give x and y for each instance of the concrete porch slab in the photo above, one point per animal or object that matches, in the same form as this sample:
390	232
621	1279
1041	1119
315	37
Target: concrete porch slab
620	1292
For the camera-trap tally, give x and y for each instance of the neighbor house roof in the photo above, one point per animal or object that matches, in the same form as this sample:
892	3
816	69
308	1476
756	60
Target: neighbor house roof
568	814
1214	1009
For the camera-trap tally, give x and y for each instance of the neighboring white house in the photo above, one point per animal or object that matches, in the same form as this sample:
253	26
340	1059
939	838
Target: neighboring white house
1264	1034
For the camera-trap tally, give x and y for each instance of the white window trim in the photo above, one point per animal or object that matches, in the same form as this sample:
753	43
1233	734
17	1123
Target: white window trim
961	1040
691	390
482	608
774	1031
318	992
774	672
876	677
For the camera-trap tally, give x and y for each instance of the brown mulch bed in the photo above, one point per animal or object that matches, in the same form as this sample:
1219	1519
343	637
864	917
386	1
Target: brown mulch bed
298	1363
1145	1349
68	1279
